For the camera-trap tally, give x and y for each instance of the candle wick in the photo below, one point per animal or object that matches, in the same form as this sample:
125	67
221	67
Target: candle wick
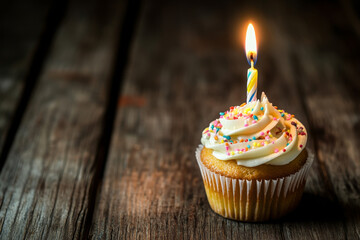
252	59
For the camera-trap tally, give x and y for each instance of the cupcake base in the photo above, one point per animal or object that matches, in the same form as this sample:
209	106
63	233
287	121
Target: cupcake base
253	200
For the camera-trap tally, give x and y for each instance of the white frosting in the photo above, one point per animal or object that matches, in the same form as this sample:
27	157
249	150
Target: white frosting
254	134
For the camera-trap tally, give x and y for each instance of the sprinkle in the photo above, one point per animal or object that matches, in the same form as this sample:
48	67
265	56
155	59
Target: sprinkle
282	115
256	118
275	107
242	104
228	154
227	148
254	121
240	114
226	144
222	114
250	139
301	145
274	119
262	108
254	144
216	137
251	115
262	143
231	108
287	144
273	142
246	125
248	146
238	150
267	137
284	150
254	138
207	130
262	133
276	150
208	134
222	141
241	140
246	140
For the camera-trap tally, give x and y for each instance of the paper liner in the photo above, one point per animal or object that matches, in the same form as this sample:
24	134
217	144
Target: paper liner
253	200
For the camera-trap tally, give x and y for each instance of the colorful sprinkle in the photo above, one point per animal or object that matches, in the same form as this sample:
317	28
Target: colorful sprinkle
282	115
255	117
301	145
284	150
276	150
248	146
254	138
262	108
222	114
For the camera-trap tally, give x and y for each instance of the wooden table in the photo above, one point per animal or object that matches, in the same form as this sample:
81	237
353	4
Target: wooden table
102	104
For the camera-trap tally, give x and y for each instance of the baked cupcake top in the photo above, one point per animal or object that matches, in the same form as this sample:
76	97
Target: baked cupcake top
254	134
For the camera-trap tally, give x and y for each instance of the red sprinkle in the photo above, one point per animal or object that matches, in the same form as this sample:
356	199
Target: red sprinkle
246	140
284	150
301	145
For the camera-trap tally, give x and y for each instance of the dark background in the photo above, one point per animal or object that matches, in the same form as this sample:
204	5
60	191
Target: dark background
102	104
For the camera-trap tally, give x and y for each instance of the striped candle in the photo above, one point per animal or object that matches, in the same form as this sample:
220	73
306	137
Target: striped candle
252	77
251	55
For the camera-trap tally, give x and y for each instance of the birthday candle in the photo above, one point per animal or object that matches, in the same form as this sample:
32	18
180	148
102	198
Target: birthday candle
251	55
252	76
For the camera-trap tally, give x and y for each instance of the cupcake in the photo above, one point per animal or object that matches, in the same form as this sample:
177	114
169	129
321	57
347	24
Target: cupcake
253	162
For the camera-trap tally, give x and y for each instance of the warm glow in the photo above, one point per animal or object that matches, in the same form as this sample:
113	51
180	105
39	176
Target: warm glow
250	44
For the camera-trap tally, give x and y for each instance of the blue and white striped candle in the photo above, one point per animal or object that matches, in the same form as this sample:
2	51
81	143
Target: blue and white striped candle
251	55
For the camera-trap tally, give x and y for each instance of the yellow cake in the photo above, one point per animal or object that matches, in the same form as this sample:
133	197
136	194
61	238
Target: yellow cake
254	162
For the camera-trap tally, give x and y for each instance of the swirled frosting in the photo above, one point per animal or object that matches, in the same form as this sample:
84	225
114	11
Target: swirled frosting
255	133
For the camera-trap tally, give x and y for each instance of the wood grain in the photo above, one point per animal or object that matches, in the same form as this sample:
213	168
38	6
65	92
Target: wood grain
21	26
187	67
45	183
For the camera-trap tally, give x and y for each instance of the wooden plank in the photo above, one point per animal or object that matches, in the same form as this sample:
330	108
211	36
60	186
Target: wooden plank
334	107
46	181
21	26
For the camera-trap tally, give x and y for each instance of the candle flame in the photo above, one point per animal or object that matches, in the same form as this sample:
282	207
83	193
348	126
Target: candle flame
250	44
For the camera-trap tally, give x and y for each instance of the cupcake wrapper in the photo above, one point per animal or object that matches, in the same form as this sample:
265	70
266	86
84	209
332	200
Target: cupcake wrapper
253	200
